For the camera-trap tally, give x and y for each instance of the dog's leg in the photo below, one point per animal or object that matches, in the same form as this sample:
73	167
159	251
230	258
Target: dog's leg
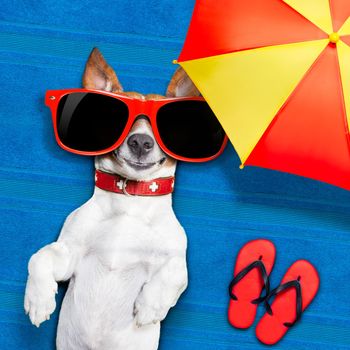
52	263
161	292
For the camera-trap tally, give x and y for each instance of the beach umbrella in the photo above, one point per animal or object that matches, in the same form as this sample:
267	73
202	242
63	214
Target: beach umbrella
277	75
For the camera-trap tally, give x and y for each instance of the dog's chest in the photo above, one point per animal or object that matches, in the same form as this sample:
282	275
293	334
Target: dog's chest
125	242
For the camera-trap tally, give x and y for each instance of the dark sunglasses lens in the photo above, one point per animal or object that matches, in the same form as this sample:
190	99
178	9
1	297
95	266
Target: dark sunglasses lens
90	122
190	129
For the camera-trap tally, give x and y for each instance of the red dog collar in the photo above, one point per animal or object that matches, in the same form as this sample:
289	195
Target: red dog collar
119	184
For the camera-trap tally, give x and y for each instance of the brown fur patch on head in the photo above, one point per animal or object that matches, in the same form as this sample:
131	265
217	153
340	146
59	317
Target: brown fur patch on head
99	74
137	95
154	97
134	94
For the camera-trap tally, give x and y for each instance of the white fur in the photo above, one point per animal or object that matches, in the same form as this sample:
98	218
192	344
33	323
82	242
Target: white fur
125	258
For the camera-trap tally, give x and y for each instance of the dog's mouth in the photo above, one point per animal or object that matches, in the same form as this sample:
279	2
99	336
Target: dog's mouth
137	164
143	166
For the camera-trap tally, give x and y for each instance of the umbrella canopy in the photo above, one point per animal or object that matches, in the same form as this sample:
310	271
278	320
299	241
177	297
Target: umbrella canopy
277	75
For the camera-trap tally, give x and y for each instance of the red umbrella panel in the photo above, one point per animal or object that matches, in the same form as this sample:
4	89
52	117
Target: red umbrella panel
277	75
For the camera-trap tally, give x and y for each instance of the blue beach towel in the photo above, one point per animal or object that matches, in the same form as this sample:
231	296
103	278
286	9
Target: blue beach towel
44	45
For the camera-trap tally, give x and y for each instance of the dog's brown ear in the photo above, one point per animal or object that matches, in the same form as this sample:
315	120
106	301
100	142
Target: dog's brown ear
99	74
181	85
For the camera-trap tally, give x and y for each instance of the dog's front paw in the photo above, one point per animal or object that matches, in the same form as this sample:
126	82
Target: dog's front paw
39	300
146	313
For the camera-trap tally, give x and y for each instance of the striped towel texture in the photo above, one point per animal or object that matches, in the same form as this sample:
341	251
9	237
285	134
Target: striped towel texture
44	45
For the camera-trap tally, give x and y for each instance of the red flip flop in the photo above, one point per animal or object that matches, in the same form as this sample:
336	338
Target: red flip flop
253	267
298	288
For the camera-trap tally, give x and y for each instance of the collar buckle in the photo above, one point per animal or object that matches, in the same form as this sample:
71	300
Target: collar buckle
125	182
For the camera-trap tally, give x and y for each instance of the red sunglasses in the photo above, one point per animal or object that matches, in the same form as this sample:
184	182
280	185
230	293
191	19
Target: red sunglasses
93	122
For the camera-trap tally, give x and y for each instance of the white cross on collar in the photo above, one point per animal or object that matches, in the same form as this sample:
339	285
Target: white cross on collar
120	184
153	187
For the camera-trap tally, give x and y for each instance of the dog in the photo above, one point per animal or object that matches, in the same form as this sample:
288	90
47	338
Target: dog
124	256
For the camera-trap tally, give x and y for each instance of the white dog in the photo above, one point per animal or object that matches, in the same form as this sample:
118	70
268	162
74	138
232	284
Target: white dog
125	256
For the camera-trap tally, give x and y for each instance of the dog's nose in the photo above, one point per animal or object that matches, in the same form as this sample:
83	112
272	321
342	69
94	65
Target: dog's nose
140	144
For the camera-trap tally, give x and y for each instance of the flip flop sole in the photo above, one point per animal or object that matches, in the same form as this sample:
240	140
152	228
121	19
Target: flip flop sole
241	312
271	328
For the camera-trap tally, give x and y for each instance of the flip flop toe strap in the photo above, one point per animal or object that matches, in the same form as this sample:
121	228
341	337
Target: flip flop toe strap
255	264
299	301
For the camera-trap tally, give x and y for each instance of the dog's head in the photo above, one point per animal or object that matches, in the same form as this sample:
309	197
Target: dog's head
139	157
